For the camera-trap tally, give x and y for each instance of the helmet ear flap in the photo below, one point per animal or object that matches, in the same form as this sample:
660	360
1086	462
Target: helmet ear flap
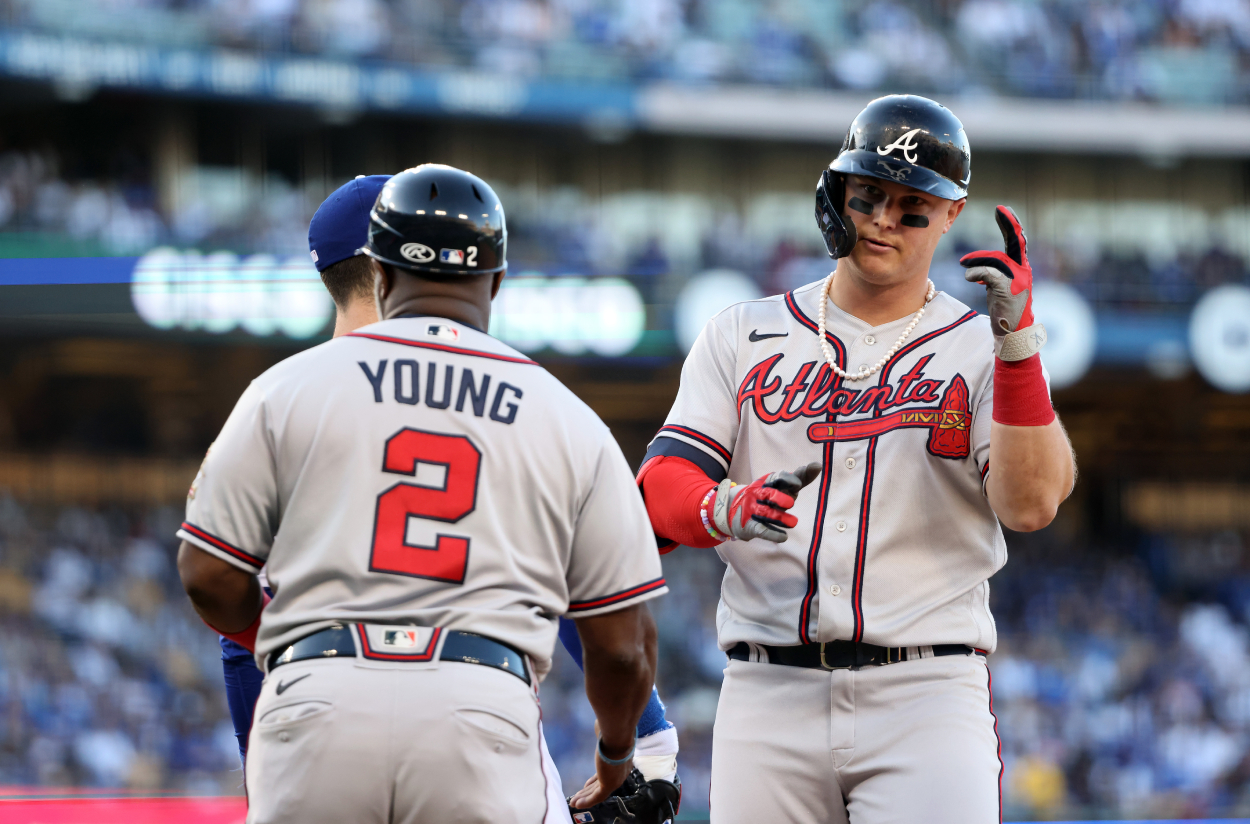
838	232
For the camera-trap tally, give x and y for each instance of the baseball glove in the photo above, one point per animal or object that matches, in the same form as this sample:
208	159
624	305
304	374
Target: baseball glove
637	801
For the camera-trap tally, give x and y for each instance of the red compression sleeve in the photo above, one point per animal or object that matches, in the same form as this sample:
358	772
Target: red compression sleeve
673	489
245	638
1020	395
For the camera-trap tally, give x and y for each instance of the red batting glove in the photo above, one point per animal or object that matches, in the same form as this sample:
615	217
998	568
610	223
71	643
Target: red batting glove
1006	275
758	510
1020	394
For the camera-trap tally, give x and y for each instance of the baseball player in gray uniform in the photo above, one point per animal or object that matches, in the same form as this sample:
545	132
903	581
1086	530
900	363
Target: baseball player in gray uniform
855	613
427	502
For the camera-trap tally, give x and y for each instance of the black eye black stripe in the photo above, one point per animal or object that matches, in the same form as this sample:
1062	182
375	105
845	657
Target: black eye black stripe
860	205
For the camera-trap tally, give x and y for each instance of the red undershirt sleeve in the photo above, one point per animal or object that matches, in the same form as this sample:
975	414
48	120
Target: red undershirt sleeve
673	488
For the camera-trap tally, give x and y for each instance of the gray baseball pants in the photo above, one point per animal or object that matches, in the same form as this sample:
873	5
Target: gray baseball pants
350	741
909	742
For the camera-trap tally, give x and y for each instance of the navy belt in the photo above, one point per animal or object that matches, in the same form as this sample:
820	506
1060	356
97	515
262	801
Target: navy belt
836	655
464	647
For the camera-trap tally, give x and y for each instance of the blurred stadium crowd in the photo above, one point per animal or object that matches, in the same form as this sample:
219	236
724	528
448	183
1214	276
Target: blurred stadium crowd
1193	50
107	677
47	209
1119	684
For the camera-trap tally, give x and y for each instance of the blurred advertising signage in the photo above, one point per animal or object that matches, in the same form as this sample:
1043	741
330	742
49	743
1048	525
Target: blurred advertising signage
219	292
78	66
571	315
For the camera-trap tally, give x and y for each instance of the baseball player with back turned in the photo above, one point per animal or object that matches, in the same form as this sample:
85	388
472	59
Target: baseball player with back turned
335	234
855	614
426	501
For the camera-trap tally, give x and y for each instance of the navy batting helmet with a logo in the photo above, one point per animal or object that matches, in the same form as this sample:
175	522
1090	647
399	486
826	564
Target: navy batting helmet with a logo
438	219
903	138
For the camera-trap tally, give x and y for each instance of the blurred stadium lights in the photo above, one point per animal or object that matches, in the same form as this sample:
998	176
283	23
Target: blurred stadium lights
704	296
262	294
1219	337
1071	332
572	315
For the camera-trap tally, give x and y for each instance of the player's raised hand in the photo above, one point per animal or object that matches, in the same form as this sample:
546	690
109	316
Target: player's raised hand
1008	280
1007	276
758	510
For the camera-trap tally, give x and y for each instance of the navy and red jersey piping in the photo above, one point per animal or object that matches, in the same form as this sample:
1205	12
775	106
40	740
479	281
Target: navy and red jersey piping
441	347
225	546
617	597
818	528
695	435
861	545
989	686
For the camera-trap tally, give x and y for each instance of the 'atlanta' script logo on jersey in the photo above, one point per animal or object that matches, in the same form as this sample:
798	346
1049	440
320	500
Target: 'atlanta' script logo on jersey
948	420
905	143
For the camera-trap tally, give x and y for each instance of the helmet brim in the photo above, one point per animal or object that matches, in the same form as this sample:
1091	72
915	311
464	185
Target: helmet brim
870	164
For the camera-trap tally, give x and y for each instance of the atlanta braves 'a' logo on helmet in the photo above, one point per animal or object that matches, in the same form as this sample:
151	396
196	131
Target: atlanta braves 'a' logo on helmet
905	143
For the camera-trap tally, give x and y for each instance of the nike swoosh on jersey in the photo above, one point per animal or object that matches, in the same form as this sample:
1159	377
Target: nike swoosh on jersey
756	337
284	687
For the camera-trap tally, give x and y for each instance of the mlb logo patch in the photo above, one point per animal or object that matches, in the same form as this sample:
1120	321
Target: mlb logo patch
400	638
442	330
583	818
453	256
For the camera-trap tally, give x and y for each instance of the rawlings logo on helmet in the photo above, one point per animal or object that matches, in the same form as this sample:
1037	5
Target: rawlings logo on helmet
417	252
905	143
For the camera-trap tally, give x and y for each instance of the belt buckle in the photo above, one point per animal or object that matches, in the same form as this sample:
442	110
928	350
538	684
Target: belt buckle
824	664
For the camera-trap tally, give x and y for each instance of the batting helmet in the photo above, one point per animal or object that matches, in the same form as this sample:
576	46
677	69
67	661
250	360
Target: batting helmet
438	219
903	138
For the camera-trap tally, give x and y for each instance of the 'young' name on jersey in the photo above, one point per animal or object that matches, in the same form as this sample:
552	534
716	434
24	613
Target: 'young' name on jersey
441	380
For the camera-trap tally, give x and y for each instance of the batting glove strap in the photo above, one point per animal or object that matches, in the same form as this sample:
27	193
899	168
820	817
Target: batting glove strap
758	510
720	508
1022	344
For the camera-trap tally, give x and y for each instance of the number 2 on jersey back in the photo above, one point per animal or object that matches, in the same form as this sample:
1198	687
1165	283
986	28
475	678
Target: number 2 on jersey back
448	559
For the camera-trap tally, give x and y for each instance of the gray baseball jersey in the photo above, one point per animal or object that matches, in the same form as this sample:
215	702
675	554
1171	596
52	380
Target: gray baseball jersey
418	471
896	540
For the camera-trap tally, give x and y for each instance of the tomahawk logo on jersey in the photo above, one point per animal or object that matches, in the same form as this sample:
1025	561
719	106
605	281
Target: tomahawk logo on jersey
916	431
861	413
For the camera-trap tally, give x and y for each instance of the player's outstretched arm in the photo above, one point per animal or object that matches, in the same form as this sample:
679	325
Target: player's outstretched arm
1031	465
618	650
685	507
227	598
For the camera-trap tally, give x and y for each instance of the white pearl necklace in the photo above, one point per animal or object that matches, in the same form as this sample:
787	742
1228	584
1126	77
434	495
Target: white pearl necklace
864	373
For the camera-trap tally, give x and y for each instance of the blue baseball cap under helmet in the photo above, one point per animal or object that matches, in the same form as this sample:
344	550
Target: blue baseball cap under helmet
341	225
